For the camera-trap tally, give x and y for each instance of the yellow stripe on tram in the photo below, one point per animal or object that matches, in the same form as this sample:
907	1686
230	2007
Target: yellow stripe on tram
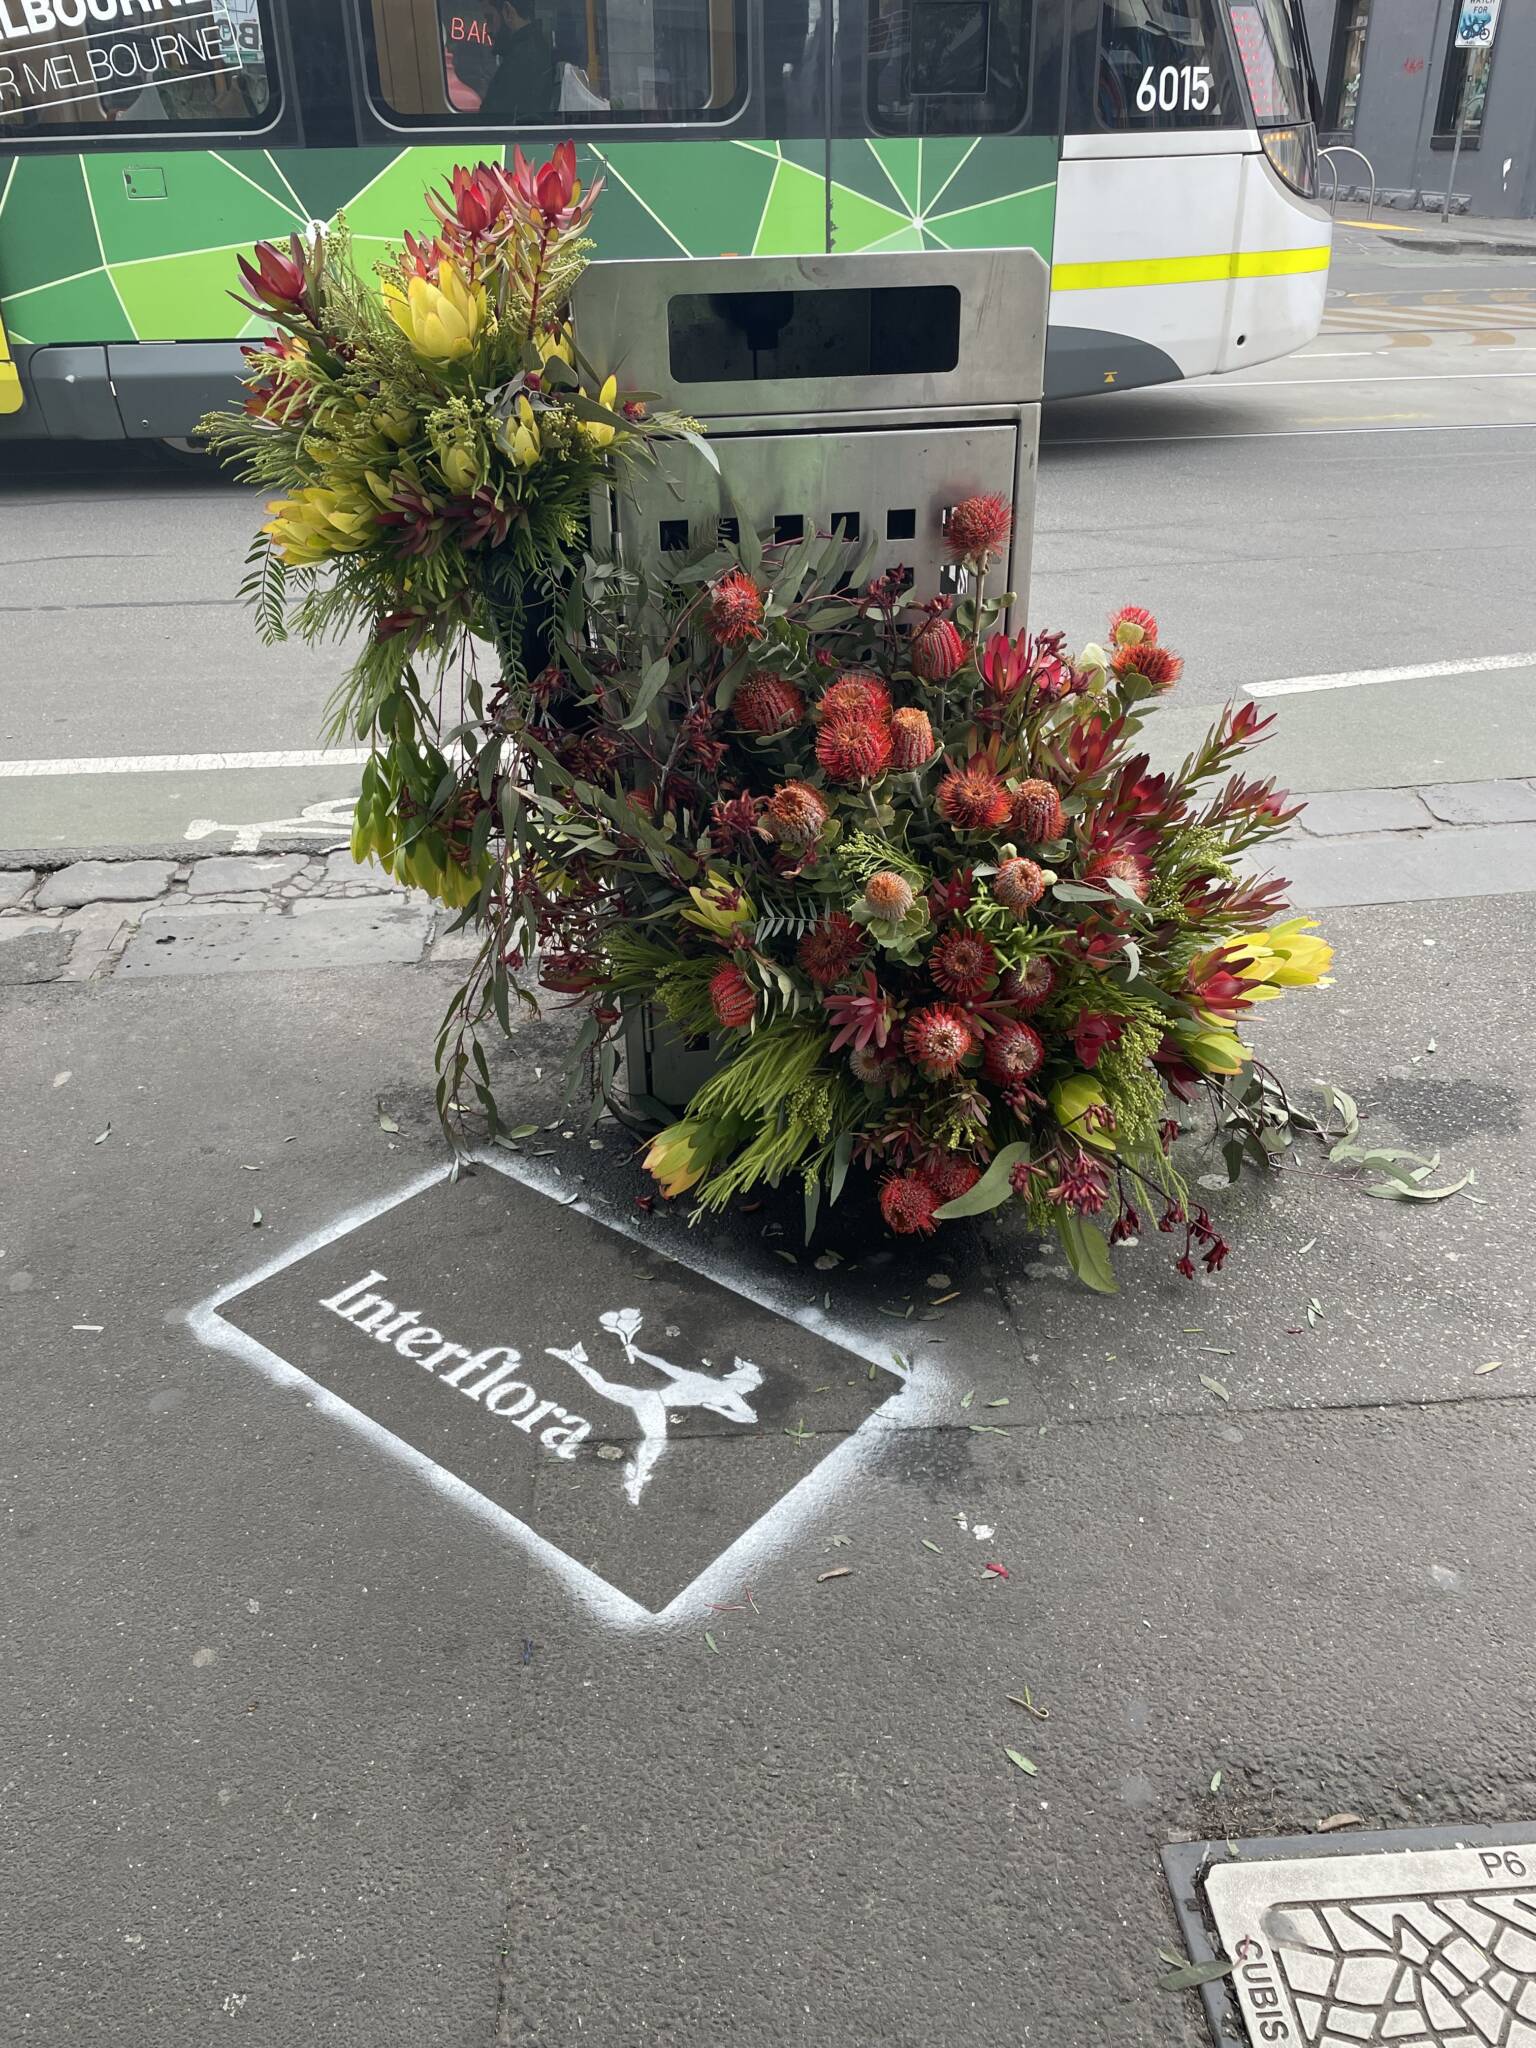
1099	277
10	376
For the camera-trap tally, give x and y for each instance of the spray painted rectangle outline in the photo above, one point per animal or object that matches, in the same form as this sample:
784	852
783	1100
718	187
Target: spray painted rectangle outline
912	1402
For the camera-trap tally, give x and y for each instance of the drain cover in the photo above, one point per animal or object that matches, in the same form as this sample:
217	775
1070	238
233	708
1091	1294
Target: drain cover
1427	1940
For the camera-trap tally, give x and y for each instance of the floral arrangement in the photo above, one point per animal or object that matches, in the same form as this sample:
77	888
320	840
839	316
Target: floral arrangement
905	869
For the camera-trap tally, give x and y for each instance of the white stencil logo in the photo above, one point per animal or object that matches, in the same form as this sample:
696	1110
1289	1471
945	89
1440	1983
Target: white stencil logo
724	1397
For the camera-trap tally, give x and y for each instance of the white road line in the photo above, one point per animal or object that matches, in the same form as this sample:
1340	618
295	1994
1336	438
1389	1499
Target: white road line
1277	434
1354	678
190	764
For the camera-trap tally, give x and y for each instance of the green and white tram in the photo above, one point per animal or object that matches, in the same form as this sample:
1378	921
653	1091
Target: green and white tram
1160	154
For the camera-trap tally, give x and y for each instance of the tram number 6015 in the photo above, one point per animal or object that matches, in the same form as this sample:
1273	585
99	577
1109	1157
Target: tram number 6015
1174	88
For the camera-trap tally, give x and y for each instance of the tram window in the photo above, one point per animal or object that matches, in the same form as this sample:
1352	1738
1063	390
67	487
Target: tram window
879	331
66	72
948	67
540	63
1271	62
1163	64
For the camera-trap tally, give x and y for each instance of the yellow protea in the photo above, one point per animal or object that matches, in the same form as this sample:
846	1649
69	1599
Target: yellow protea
461	471
1077	1104
439	320
1283	957
679	1157
1213	1049
521	434
316	523
721	907
598	432
395	425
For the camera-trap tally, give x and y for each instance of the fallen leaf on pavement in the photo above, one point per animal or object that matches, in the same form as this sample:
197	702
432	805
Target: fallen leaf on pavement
1339	1820
933	1546
386	1121
1492	1366
104	1136
1214	1387
1188	1975
1021	1762
255	1219
838	1571
996	1571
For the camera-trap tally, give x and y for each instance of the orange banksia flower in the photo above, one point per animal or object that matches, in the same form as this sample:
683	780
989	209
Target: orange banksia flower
1018	885
1036	813
978	528
768	704
888	896
937	650
912	742
732	997
735	612
796	814
853	750
936	1040
972	798
907	1203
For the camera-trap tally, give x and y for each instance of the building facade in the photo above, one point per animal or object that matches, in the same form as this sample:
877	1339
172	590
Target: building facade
1393	86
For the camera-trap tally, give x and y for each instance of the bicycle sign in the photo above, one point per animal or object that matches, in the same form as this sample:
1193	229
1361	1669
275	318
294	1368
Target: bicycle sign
1476	23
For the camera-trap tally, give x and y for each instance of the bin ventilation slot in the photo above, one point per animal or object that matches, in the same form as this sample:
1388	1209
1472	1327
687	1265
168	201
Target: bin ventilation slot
874	331
901	524
672	535
846	525
789	526
729	532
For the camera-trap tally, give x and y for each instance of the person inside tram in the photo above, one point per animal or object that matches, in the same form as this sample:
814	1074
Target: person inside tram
525	86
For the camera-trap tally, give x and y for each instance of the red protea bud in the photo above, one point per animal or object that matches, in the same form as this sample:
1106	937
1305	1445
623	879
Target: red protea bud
732	997
937	650
936	1040
1129	626
1128	869
853	750
635	409
888	896
1005	665
1154	665
950	1176
912	743
907	1203
857	695
972	798
796	815
1036	813
1018	885
1031	986
963	964
1013	1054
281	280
978	528
830	949
735	612
768	704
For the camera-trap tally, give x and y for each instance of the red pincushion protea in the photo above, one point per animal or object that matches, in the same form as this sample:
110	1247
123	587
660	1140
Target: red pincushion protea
1013	1054
888	896
1031	987
732	996
962	963
830	949
972	798
907	1203
768	704
853	750
912	743
978	528
1018	885
1036	814
1132	624
1155	665
1128	869
855	694
735	611
950	1176
936	1040
938	650
796	814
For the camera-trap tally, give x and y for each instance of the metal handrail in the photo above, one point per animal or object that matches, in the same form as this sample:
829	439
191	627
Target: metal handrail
1343	149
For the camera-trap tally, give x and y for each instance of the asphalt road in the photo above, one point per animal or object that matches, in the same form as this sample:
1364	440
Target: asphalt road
1365	504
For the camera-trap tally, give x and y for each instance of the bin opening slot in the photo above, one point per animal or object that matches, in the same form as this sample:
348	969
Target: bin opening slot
874	331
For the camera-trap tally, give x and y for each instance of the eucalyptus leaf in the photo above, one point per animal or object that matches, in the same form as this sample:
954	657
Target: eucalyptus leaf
1190	1975
651	685
1399	1191
1087	1254
991	1190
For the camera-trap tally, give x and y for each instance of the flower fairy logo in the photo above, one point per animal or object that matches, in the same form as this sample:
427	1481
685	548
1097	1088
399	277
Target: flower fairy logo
493	1378
682	1389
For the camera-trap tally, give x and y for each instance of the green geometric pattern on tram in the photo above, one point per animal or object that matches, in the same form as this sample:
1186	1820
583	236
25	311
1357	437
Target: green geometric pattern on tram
946	192
119	246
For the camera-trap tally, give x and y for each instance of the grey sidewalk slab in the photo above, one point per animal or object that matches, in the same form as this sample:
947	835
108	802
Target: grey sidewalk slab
1396	867
100	881
14	885
1482	803
242	874
201	940
1339	812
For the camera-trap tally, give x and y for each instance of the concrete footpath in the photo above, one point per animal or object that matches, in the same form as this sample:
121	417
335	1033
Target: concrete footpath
303	1745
